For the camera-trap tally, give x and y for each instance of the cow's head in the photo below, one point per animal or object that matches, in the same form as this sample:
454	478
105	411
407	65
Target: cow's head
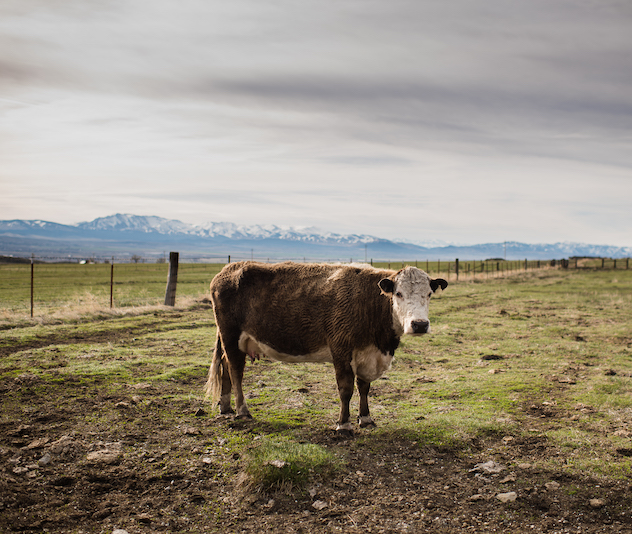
411	289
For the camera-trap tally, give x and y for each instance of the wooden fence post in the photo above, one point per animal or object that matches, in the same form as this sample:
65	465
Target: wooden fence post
32	277
456	268
112	284
172	279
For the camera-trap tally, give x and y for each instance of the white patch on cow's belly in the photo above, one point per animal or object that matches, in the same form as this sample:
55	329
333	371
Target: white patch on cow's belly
370	363
253	347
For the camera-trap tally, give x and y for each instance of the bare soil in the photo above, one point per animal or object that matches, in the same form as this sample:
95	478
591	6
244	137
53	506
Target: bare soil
90	454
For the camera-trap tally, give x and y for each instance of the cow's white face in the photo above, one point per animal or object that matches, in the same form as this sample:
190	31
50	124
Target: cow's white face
411	290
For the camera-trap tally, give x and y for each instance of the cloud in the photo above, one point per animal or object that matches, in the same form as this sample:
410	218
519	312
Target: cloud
357	116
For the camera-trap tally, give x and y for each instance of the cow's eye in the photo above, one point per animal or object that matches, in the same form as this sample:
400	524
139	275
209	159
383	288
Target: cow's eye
399	295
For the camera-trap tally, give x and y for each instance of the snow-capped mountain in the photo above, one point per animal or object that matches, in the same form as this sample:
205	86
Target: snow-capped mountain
152	224
124	234
136	223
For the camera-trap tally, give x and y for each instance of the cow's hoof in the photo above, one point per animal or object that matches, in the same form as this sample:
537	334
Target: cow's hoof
230	411
244	417
366	422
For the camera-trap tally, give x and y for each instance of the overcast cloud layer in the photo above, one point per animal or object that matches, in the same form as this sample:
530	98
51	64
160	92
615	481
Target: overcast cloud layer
410	120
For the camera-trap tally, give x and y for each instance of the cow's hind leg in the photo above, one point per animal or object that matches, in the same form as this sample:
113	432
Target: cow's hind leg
236	363
224	400
218	385
364	418
344	378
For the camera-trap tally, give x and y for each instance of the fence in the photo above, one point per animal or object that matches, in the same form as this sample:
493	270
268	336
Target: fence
51	287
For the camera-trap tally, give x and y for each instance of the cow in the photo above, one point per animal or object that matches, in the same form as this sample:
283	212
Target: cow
350	315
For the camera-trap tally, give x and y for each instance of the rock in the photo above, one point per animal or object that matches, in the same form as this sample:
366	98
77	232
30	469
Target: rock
508	478
120	531
319	505
489	468
44	460
552	486
122	405
508	439
105	456
524	466
278	463
37	444
507	497
597	503
476	498
65	445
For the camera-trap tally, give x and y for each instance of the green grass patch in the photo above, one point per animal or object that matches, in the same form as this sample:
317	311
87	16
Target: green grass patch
283	463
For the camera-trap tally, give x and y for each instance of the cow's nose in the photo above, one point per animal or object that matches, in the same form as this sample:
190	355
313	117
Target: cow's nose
420	327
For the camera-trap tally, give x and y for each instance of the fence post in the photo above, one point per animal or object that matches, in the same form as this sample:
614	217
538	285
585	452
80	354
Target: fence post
112	284
456	268
172	279
32	277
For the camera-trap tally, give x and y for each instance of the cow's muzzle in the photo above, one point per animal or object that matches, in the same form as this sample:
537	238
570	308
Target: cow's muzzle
420	327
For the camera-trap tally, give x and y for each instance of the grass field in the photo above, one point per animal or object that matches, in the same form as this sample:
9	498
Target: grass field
531	371
59	288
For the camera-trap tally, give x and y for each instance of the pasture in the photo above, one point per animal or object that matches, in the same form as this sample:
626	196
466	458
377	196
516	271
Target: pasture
72	288
514	415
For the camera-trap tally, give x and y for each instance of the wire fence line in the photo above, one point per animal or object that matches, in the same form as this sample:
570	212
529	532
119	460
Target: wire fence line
50	286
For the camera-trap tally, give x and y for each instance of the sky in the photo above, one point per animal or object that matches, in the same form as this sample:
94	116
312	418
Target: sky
415	120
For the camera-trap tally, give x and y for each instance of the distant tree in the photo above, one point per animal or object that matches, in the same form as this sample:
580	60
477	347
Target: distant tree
162	259
136	258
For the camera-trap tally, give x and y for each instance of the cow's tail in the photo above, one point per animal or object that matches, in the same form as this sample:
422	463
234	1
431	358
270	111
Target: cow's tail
215	373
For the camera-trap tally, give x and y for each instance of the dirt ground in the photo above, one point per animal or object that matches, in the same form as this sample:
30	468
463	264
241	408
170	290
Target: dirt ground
86	455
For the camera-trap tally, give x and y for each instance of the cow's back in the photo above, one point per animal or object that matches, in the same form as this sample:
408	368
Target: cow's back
298	309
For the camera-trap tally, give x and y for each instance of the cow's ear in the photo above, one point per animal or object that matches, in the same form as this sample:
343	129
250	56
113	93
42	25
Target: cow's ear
386	285
434	284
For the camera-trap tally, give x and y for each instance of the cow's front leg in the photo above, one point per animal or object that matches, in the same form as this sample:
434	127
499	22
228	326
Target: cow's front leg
364	418
344	378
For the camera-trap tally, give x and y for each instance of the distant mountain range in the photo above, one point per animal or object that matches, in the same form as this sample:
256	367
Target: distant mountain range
122	236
